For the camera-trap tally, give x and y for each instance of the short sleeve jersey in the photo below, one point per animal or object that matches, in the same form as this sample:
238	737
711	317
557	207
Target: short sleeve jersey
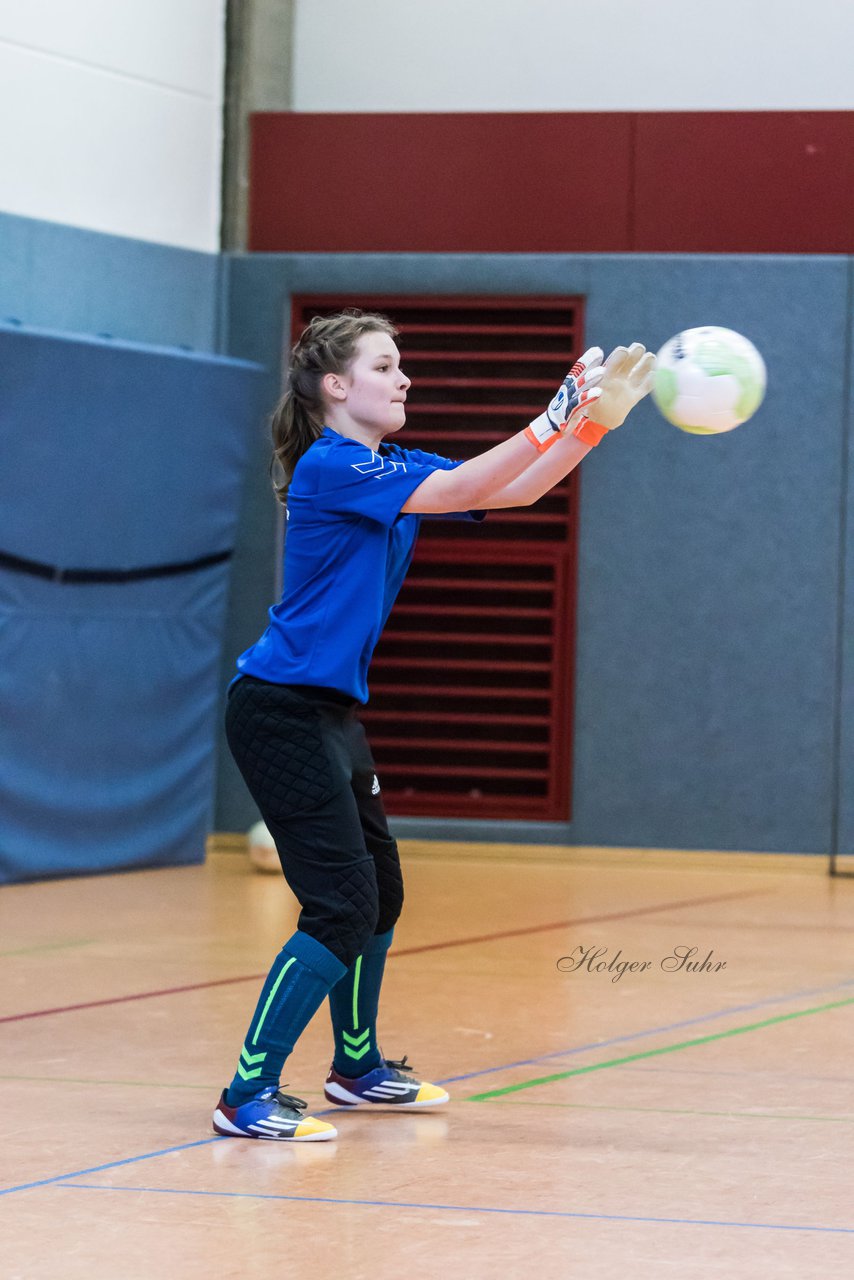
347	553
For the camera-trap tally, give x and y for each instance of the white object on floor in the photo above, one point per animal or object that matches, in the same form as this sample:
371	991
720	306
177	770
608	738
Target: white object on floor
262	849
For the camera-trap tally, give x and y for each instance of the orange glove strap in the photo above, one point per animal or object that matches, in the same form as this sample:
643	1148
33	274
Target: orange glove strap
541	445
589	432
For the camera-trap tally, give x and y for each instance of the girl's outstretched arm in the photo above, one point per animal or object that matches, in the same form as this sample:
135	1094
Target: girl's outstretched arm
520	470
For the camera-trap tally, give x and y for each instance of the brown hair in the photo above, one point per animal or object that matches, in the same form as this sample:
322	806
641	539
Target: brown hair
326	345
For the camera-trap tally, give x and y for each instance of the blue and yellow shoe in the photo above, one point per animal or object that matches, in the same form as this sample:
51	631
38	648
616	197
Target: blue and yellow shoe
385	1086
271	1114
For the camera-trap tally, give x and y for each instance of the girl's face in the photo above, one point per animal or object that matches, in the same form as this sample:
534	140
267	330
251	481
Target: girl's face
373	390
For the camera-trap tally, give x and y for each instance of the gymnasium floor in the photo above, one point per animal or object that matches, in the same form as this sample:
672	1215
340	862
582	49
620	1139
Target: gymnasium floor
694	1124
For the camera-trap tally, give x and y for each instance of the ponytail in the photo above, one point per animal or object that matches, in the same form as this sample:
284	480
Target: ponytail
327	345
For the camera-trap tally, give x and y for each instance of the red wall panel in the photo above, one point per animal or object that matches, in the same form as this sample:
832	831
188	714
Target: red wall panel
744	182
663	182
437	183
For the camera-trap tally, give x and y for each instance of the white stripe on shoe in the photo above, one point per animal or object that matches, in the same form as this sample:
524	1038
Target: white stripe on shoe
222	1122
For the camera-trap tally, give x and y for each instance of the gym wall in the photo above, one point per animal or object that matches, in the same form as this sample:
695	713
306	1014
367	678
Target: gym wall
569	55
69	278
729	601
548	126
117	112
712	598
124	433
541	152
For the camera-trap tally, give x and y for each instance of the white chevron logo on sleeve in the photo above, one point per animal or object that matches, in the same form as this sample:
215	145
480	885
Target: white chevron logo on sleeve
378	466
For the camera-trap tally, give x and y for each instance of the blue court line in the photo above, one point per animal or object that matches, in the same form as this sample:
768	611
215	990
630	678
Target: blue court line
560	1053
652	1031
114	1164
470	1208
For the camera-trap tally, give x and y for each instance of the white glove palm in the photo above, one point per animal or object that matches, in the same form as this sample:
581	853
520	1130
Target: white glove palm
626	379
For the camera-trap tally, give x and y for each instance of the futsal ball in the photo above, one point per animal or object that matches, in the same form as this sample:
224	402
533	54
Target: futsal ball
708	380
262	849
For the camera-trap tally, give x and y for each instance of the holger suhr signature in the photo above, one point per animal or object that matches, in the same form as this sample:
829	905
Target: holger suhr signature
681	959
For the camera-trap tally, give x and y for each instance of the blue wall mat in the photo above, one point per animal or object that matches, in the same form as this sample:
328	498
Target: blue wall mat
57	277
128	452
107	703
709	577
844	810
116	457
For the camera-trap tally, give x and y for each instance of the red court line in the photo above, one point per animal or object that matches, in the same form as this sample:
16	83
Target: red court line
404	951
564	924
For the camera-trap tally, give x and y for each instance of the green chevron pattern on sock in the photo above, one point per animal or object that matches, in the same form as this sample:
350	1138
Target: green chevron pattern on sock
356	1047
353	1004
301	975
247	1062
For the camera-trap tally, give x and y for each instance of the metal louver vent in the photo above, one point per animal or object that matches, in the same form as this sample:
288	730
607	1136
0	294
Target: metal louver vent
471	684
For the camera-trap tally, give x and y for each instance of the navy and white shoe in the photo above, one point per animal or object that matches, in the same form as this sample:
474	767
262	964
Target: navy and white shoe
384	1086
271	1114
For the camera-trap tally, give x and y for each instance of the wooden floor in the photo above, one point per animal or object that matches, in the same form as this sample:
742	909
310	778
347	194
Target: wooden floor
648	1123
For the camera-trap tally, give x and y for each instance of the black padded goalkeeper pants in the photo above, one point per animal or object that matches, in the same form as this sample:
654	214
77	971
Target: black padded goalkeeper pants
305	758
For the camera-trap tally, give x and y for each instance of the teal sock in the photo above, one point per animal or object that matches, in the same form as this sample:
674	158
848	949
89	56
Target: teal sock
302	974
353	1003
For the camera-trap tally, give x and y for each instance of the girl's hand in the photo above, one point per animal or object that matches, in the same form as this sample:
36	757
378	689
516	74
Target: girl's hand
551	424
626	379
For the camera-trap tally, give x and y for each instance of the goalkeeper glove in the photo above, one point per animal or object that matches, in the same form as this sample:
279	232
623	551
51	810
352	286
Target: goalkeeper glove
626	379
551	424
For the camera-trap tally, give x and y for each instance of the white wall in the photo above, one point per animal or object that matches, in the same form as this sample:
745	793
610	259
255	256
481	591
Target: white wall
573	55
111	115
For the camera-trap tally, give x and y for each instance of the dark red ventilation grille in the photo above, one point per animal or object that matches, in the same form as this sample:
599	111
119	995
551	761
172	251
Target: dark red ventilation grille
471	684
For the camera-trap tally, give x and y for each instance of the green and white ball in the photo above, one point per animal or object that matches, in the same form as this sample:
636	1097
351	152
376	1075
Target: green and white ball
708	380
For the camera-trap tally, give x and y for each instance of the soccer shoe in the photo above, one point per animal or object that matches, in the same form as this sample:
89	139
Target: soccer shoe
271	1114
384	1086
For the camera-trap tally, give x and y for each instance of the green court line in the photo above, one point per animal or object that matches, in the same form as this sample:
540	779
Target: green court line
675	1111
527	1102
652	1053
49	946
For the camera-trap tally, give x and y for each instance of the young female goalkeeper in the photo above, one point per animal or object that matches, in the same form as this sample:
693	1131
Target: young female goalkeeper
354	509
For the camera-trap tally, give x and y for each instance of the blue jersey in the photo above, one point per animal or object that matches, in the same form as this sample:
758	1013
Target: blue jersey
348	549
